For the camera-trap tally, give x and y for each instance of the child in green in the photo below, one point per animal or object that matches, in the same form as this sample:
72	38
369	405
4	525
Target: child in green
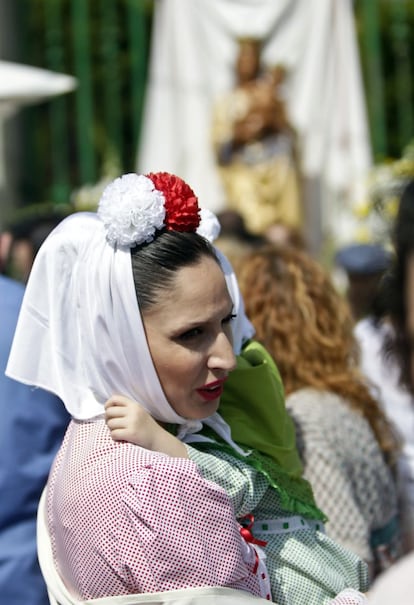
263	480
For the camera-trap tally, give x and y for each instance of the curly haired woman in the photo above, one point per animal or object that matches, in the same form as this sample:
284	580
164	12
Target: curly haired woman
346	444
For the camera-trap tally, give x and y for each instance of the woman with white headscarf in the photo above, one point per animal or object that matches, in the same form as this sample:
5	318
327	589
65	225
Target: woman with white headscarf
82	325
134	301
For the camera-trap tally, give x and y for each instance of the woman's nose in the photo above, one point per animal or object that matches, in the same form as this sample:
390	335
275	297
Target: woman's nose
222	355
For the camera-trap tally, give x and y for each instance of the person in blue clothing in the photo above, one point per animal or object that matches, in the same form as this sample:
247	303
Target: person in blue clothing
31	430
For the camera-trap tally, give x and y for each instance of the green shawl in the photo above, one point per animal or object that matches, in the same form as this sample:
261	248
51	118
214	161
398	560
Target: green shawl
253	405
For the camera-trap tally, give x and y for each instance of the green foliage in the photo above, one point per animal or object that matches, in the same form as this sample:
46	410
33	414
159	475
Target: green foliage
81	138
384	29
93	132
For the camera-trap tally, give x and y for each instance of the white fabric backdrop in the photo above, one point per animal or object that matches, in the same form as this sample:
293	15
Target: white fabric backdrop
192	61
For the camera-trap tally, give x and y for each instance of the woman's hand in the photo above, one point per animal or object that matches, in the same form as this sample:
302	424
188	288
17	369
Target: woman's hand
128	421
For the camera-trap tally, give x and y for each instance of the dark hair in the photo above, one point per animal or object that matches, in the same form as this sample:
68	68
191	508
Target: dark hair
154	265
394	284
32	225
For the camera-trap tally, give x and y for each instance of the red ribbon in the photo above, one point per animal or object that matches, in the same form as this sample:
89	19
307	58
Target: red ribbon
247	534
248	537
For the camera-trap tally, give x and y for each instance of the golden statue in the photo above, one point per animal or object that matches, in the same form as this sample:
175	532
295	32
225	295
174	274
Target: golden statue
255	146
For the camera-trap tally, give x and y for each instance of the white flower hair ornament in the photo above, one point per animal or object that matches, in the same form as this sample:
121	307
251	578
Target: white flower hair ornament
209	227
134	207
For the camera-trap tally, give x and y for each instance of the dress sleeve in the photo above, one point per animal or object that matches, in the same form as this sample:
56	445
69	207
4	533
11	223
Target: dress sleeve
171	530
243	484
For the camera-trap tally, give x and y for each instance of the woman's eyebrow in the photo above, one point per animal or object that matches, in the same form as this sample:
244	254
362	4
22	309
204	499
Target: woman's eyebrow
197	321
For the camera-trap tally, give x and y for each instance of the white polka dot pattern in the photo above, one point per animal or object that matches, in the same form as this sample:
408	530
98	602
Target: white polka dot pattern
125	520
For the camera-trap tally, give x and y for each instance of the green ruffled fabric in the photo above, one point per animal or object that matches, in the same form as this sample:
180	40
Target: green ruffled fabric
253	405
295	493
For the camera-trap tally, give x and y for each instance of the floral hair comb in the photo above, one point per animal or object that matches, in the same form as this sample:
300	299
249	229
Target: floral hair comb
135	206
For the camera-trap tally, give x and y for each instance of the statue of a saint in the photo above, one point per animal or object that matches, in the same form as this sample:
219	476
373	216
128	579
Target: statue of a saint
255	146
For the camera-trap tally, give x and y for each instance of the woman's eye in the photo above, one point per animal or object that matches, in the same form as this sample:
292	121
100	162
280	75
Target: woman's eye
229	318
193	333
199	331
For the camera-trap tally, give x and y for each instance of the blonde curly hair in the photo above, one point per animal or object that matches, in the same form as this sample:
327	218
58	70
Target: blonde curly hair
307	326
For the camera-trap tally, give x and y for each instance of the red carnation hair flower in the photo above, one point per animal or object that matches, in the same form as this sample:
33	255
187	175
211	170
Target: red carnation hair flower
182	212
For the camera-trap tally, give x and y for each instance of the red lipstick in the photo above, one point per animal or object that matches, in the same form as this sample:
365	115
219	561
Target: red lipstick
212	390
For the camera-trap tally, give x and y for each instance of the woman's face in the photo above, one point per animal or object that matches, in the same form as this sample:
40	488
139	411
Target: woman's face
248	62
189	337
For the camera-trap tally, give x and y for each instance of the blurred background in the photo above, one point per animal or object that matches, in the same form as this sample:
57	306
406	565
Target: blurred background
144	88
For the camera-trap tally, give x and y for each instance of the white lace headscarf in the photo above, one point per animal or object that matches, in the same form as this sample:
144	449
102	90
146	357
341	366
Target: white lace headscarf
80	333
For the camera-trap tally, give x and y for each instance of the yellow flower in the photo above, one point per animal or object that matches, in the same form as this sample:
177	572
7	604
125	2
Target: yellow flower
363	234
391	207
363	209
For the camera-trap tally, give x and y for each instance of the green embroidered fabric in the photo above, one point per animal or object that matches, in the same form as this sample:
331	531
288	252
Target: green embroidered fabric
253	405
295	492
